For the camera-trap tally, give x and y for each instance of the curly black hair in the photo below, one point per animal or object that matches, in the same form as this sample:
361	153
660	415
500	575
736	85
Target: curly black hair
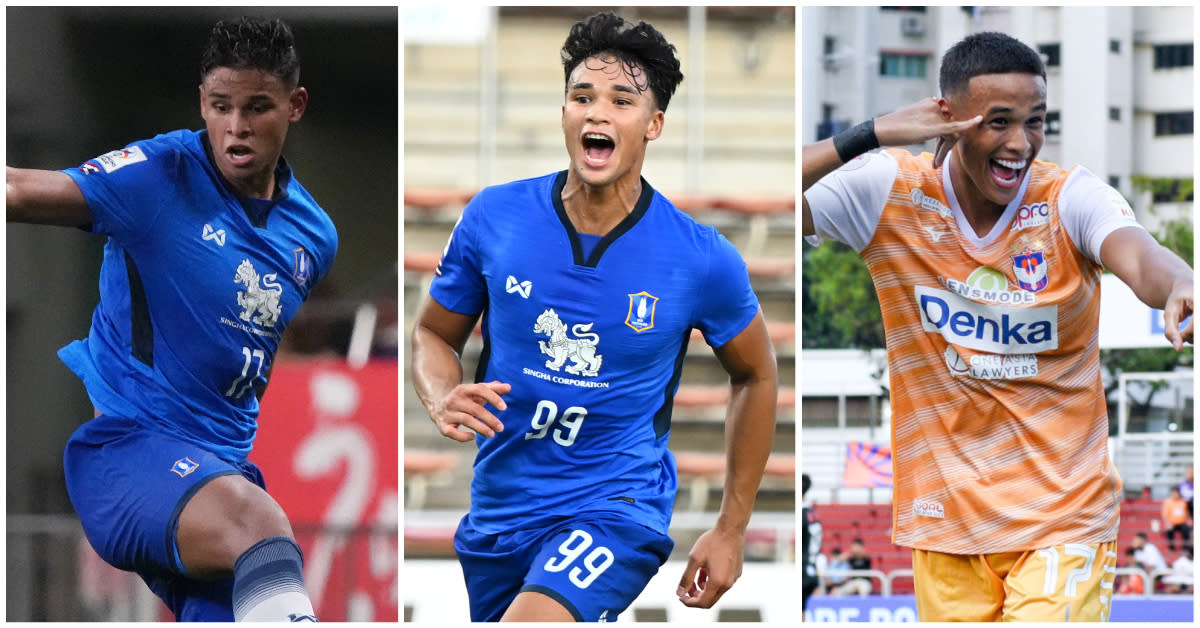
986	53
252	43
648	56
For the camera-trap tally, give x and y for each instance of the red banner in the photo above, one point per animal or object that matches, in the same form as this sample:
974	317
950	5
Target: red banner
327	444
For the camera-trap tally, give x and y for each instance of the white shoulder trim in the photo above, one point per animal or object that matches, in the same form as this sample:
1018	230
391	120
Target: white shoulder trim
846	204
1090	210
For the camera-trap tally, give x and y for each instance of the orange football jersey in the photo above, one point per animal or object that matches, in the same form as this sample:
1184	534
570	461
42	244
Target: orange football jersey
999	421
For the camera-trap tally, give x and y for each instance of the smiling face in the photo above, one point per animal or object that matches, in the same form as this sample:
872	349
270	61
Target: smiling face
247	114
608	117
991	160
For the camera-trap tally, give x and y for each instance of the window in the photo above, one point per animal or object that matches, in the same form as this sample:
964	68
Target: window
902	65
1172	56
1175	123
1053	122
1114	46
1168	190
1051	53
1114	114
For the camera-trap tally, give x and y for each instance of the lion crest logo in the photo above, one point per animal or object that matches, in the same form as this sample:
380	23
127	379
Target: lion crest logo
581	350
260	298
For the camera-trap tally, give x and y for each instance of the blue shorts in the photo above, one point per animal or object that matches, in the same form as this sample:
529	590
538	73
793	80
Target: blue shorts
594	564
128	485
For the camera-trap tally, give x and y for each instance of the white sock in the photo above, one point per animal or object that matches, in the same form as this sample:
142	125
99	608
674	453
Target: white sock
268	583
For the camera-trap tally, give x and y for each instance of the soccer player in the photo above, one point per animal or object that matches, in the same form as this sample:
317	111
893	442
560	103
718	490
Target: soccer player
810	546
212	247
589	283
987	265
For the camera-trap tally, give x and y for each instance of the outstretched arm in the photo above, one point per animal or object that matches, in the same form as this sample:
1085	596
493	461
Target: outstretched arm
1157	276
44	197
921	121
437	342
715	561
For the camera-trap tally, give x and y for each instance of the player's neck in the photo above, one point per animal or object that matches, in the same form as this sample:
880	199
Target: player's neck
981	213
597	209
259	186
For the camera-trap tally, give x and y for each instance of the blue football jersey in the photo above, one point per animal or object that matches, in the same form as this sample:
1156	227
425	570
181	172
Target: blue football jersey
196	287
592	344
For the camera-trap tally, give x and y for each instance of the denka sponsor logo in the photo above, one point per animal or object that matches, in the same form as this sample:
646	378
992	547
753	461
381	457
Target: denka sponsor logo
991	328
1034	215
926	508
928	202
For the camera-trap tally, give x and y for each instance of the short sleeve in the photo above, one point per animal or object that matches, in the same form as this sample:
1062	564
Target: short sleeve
458	283
846	204
727	301
1090	210
126	189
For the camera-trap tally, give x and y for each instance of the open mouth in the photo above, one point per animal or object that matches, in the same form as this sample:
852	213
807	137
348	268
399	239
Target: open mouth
239	155
597	149
1007	174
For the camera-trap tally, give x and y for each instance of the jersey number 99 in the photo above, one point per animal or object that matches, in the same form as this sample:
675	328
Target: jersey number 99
595	562
545	416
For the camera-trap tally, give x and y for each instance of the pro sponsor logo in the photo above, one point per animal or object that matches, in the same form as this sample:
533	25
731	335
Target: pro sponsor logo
1034	215
90	167
1031	270
920	199
117	159
927	508
988	285
984	327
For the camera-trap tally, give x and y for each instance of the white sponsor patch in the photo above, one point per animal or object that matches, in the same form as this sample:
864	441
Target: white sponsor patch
928	202
1003	366
926	508
1034	215
117	159
991	328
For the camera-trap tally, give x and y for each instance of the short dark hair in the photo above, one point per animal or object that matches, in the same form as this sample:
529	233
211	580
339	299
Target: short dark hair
986	53
640	46
252	43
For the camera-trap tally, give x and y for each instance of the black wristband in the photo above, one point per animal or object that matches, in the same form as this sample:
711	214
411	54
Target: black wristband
856	140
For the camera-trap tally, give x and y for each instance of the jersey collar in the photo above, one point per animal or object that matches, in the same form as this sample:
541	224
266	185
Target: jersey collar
257	210
639	210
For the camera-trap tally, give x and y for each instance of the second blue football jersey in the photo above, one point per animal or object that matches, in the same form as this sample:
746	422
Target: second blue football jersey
593	347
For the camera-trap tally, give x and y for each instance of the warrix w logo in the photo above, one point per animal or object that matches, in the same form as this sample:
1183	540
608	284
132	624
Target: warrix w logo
217	236
522	288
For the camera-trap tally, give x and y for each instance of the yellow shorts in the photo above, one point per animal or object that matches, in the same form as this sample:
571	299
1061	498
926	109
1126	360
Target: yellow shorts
1071	582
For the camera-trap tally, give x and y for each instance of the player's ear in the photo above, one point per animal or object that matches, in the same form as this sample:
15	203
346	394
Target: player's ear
202	109
654	129
297	103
